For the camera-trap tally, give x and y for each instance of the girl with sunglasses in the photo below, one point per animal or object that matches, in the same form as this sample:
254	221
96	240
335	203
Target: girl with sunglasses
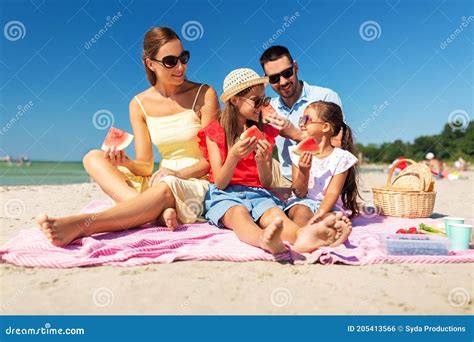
169	115
329	179
241	173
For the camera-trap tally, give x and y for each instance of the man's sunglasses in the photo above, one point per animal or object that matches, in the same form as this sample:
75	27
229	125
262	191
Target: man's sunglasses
171	61
275	78
305	119
258	102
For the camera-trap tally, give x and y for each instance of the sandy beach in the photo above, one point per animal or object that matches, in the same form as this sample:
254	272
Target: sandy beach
229	288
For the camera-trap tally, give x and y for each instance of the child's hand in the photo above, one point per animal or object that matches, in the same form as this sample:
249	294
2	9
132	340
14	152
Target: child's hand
263	152
320	214
304	164
243	148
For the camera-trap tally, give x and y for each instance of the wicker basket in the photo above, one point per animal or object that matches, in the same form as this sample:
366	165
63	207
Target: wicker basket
405	202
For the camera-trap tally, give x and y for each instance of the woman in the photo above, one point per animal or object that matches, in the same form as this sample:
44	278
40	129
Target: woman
168	114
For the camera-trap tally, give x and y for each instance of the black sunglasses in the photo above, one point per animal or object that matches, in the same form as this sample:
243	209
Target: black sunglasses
275	78
258	102
171	61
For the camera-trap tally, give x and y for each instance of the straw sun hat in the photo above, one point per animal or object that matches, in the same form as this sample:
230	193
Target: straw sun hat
238	80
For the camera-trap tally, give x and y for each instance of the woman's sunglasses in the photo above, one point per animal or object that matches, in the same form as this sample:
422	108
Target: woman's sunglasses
305	119
171	61
275	78
258	102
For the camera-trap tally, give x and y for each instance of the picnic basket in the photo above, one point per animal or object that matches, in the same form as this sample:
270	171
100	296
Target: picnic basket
410	195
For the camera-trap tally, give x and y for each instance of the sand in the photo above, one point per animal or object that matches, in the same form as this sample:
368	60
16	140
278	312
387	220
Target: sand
225	288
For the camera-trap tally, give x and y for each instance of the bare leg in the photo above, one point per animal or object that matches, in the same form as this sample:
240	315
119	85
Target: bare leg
142	209
300	214
239	220
113	182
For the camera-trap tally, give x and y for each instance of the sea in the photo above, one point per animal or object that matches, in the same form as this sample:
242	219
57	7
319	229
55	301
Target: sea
56	173
42	173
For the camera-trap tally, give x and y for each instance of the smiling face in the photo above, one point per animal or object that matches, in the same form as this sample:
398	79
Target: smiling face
315	127
172	76
286	87
245	104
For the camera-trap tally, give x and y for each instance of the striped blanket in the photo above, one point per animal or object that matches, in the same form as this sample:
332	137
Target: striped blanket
153	244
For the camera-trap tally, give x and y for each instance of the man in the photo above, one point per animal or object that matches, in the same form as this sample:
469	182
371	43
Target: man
295	95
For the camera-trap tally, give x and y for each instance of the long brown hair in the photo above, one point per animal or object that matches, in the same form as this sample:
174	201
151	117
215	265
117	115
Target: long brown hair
331	113
229	120
154	39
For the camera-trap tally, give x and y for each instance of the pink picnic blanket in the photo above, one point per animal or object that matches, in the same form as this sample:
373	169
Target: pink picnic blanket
153	244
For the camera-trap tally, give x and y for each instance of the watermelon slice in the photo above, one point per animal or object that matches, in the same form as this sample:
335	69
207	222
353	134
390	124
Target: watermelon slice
308	144
252	132
269	111
117	137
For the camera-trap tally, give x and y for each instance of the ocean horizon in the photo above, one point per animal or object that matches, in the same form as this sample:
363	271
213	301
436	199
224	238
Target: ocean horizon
58	173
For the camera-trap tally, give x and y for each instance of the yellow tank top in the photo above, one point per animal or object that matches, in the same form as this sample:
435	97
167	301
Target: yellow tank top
175	136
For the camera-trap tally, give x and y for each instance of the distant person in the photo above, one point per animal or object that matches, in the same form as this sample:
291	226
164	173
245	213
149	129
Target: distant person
294	96
435	165
401	166
460	164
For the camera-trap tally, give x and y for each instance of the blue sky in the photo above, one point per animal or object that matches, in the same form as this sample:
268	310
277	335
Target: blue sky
390	61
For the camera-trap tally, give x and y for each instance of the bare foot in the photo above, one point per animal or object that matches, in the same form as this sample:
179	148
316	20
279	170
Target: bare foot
271	240
325	232
343	230
61	231
169	218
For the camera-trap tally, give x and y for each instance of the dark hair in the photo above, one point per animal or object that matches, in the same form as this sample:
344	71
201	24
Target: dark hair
273	53
154	39
331	113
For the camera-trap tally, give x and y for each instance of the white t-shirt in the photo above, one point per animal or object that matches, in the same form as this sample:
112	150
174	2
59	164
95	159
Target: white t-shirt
322	171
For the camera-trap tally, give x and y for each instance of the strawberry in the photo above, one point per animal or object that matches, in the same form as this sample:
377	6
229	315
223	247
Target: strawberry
401	231
412	230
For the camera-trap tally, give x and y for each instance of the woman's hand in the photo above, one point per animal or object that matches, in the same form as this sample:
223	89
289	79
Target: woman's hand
263	152
304	164
162	172
117	157
243	148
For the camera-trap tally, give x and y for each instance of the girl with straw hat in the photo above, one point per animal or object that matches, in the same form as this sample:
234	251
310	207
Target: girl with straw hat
241	173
